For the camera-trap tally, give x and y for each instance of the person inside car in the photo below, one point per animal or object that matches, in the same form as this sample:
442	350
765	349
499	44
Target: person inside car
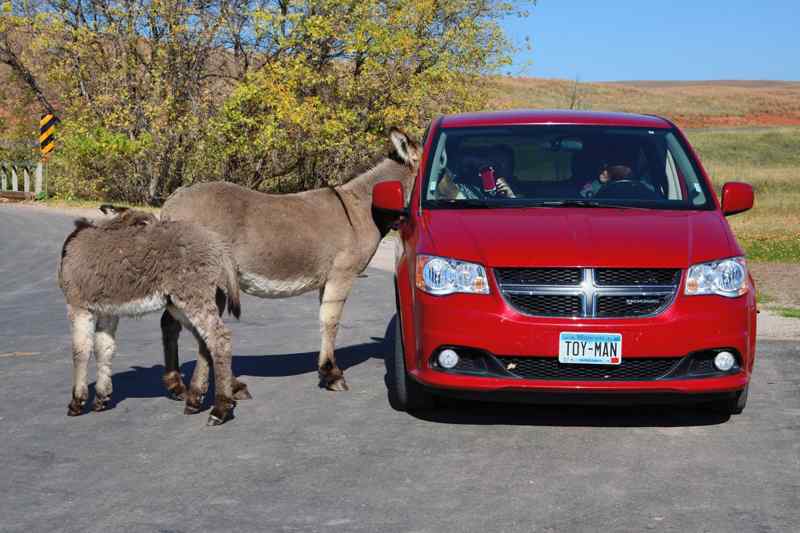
607	175
461	178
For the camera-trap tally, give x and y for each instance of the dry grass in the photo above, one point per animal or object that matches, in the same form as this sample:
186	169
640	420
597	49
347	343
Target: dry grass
690	104
768	159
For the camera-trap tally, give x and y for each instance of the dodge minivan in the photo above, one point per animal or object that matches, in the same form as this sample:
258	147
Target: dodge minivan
566	256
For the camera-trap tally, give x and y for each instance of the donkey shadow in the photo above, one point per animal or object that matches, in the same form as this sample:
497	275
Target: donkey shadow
145	382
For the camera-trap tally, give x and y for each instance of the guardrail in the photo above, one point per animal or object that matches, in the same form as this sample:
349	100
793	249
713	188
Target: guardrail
28	175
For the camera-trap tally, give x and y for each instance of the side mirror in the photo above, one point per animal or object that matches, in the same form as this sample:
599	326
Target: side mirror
388	197
736	198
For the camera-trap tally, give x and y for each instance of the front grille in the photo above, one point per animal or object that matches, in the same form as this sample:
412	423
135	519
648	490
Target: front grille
547	304
636	276
628	370
630	305
588	292
539	276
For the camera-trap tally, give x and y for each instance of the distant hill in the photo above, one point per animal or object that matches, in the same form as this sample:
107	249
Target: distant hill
691	104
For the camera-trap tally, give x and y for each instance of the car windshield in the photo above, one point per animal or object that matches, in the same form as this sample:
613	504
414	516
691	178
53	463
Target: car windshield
555	166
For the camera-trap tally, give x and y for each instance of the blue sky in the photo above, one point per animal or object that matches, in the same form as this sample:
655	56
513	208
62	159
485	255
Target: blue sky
659	40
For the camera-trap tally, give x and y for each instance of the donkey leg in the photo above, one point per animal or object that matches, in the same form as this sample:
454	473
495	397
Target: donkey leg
198	386
219	343
199	382
170	331
104	348
332	299
240	391
83	326
215	344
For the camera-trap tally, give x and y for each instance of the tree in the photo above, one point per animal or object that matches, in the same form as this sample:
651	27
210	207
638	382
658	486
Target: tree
344	71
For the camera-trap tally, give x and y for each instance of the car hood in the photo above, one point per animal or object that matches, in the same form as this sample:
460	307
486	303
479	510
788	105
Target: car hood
584	237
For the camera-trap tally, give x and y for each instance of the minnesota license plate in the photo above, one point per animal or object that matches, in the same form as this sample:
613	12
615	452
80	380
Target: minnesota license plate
590	348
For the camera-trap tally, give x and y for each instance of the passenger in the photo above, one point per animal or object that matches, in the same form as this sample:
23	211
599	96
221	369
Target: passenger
451	188
466	183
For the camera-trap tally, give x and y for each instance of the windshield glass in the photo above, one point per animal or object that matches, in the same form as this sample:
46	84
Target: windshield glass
583	166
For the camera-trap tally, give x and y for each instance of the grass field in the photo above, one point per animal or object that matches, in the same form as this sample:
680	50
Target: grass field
768	159
689	104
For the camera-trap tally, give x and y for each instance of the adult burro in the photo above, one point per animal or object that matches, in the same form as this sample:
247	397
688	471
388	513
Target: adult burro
290	244
133	264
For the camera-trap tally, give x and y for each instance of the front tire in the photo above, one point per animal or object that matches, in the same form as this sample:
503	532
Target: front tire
735	405
405	394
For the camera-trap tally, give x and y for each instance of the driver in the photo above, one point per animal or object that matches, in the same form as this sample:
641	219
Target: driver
607	175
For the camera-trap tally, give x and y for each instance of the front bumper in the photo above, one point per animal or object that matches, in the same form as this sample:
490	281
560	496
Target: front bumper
486	322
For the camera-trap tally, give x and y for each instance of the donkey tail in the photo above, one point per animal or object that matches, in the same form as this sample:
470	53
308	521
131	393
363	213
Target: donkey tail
232	285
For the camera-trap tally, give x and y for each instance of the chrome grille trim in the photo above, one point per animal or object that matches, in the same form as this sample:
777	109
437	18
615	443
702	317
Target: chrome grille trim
589	291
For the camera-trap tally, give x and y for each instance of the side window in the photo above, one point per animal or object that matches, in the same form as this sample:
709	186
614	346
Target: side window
686	171
438	165
673	181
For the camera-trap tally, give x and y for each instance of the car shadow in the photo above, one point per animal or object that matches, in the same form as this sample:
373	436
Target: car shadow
461	412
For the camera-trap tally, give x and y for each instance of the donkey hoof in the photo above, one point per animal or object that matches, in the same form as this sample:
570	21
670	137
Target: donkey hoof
217	417
214	420
75	408
178	396
101	404
332	378
337	385
176	390
190	409
242	393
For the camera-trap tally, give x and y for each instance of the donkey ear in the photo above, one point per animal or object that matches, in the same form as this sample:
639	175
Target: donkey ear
405	147
109	209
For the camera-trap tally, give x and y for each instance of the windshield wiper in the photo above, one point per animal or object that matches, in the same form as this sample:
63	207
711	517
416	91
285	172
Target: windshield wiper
584	203
464	203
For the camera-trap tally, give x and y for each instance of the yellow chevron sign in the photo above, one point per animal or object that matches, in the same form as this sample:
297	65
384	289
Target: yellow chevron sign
47	127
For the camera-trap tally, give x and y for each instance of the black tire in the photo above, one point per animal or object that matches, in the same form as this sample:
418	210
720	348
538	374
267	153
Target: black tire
405	394
735	405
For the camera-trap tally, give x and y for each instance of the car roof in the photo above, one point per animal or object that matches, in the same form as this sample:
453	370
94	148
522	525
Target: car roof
552	116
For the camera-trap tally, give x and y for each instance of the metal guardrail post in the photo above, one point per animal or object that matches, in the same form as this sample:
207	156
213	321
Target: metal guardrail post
38	178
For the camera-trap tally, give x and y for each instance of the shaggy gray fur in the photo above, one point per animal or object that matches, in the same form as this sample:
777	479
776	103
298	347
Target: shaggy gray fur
134	264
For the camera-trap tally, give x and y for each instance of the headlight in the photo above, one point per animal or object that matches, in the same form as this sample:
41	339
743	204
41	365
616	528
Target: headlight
440	275
727	277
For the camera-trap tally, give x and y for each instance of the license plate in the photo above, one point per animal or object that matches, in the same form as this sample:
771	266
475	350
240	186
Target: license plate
590	348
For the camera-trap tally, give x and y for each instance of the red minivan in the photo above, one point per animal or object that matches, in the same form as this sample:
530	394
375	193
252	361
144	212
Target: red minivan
562	256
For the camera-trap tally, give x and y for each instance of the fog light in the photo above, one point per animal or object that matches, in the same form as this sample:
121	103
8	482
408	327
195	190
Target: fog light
724	361
448	358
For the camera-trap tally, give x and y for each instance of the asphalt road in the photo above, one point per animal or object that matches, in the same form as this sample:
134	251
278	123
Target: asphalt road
297	458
